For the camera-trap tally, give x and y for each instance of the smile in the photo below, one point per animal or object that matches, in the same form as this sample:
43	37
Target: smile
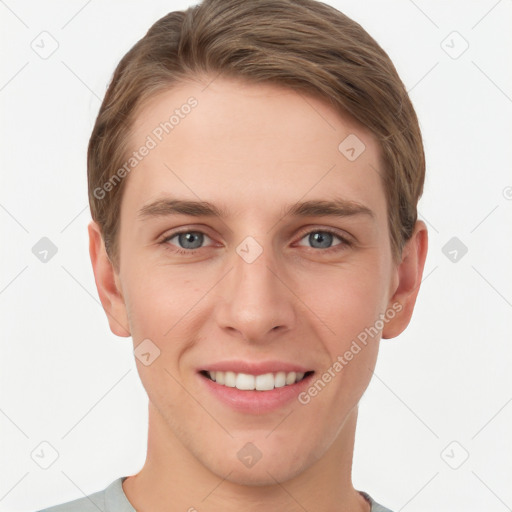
248	382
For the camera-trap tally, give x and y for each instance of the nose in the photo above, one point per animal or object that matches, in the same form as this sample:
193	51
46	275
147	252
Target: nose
256	302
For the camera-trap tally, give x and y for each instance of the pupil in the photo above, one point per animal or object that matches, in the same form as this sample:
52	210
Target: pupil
189	238
321	237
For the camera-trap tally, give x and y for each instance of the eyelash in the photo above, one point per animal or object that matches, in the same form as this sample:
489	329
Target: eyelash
190	252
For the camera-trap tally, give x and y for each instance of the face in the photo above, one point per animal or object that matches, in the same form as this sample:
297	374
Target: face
254	289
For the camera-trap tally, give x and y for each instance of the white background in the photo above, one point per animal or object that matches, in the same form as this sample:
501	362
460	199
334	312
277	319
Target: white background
66	380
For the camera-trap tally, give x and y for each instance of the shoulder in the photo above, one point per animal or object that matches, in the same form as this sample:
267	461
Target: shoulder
89	503
110	499
375	507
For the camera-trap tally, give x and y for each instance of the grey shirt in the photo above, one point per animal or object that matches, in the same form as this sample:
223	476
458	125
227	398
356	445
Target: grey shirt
113	499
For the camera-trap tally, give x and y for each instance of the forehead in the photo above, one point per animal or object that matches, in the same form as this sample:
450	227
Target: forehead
252	146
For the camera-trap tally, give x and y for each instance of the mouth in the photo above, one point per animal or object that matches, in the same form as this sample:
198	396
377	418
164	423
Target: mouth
250	382
254	387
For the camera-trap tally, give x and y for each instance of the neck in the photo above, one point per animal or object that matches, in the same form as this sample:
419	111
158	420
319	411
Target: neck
173	479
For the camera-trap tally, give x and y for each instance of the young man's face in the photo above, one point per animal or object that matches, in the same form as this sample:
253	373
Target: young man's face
256	291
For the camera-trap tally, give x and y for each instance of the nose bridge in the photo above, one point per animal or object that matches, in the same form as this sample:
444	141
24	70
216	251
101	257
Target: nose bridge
256	301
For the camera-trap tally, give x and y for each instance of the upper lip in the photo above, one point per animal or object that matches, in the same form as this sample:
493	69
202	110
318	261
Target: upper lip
254	368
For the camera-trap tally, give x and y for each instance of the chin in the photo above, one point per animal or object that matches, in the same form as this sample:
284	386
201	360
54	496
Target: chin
262	474
266	471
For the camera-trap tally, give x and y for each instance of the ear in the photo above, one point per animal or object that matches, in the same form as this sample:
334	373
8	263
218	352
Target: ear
409	274
107	283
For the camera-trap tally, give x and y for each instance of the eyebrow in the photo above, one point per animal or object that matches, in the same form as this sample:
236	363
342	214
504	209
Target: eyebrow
315	208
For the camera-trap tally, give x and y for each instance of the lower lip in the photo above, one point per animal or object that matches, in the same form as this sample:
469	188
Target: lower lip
256	402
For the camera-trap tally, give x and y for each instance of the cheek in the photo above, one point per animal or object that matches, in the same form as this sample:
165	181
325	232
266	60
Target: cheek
347	299
160	304
158	299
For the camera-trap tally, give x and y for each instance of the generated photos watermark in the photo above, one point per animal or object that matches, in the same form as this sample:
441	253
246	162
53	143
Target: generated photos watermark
152	140
342	360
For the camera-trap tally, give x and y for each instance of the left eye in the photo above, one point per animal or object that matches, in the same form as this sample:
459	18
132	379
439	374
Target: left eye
323	239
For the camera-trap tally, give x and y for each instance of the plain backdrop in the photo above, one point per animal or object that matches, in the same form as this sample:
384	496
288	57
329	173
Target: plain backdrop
434	425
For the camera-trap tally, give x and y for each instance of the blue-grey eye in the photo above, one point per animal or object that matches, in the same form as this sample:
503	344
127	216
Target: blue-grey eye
323	238
190	239
320	239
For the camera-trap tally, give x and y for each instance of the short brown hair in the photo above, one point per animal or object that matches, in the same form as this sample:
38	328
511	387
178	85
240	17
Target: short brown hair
304	45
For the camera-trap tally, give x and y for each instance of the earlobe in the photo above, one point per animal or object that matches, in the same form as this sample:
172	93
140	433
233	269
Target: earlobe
107	283
410	272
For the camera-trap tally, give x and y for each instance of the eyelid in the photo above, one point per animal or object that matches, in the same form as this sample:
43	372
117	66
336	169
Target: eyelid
166	237
170	233
302	232
343	235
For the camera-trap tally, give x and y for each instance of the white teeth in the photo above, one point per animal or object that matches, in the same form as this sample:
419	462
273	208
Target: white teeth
244	381
265	382
230	379
280	379
290	378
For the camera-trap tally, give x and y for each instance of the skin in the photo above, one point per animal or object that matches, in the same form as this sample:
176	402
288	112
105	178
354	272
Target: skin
253	149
